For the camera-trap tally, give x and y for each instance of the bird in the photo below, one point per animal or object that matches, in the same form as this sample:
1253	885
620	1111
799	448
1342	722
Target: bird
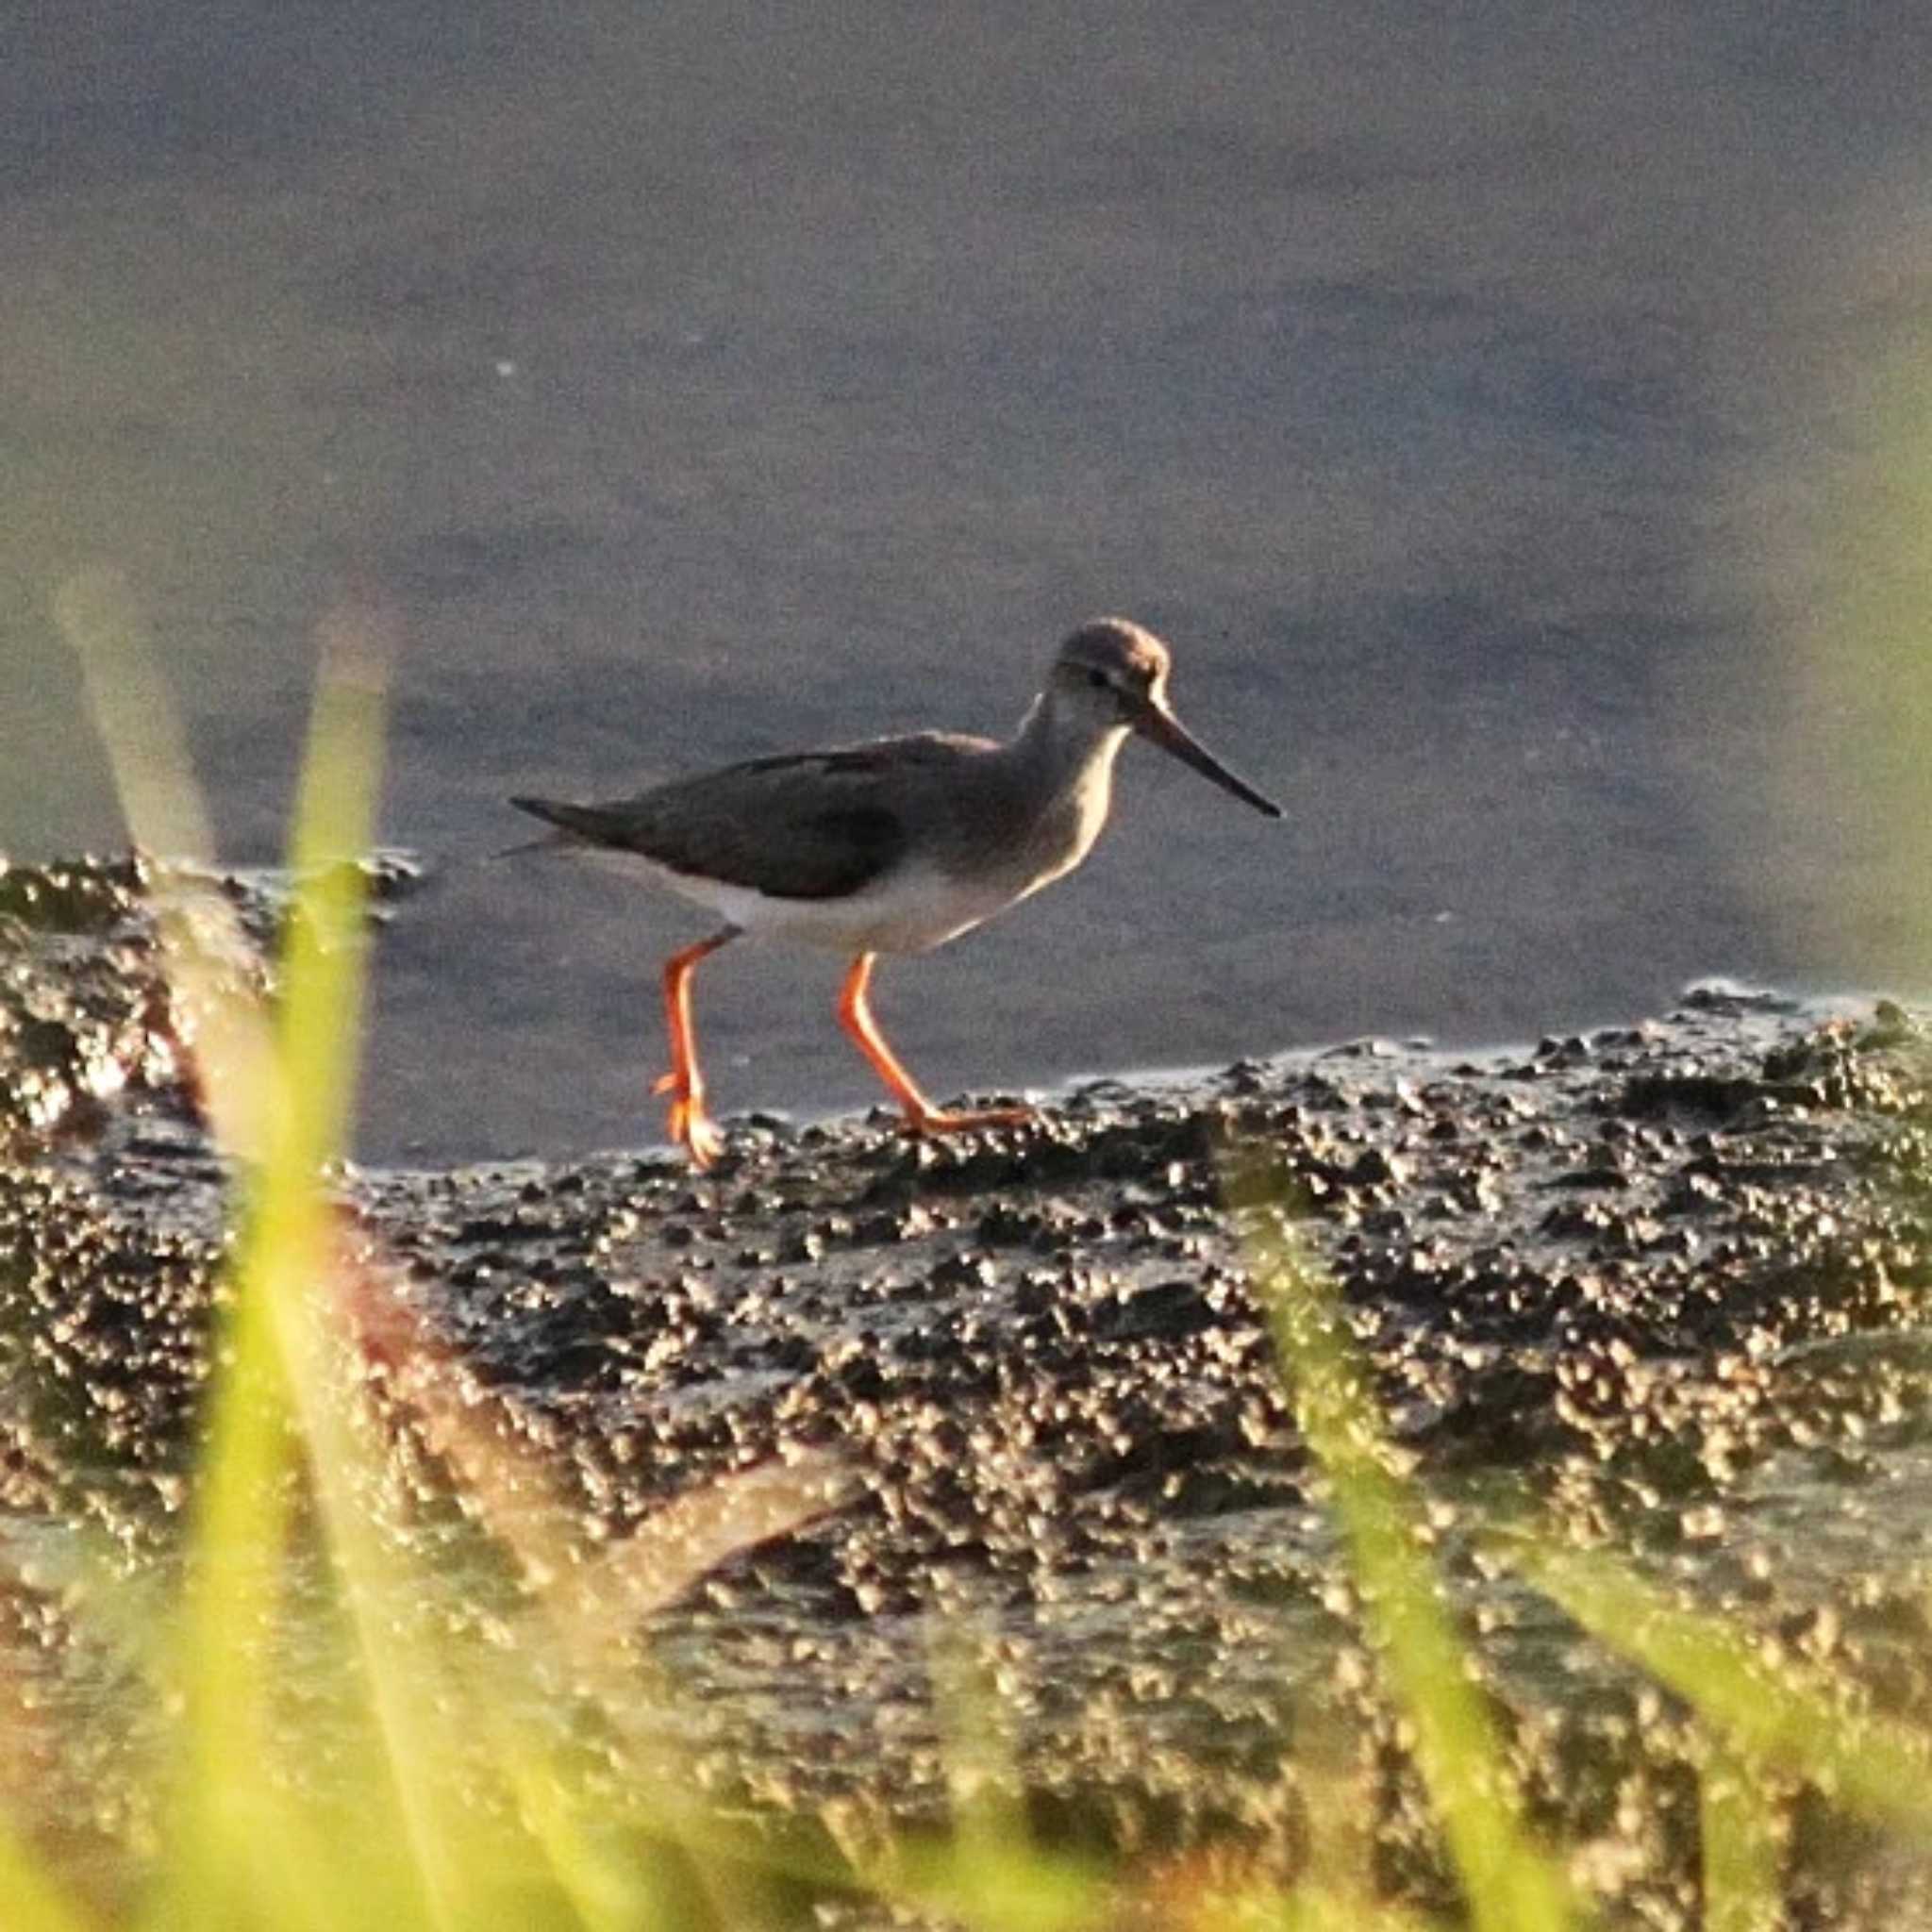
894	845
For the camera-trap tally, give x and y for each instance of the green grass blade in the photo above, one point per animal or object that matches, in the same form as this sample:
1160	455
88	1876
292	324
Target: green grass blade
306	1274
1742	1838
225	1811
222	1819
198	932
323	964
424	1752
134	714
1880	1770
1508	1882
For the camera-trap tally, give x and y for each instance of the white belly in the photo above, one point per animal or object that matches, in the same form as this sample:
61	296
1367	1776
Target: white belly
911	910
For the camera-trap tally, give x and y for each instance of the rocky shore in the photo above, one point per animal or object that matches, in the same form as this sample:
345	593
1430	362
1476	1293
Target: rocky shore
1665	1284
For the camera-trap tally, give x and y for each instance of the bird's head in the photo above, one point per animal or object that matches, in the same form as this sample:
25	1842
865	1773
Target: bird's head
1112	675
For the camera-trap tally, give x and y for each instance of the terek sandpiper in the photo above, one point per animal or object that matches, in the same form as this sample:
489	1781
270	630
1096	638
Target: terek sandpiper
893	846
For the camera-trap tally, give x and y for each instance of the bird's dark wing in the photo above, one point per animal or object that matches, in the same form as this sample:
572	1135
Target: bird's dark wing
805	826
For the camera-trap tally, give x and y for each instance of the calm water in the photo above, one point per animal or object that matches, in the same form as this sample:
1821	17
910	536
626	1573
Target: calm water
1475	397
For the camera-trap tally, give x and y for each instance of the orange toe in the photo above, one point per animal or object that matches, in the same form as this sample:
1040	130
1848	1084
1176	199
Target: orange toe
694	1128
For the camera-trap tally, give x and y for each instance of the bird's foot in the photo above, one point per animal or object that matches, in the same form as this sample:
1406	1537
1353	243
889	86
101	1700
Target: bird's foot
942	1120
690	1125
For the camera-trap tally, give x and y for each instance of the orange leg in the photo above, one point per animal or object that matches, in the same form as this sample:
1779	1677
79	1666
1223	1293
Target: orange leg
921	1116
690	1123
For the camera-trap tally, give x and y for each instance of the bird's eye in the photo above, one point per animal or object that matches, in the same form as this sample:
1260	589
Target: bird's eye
1097	679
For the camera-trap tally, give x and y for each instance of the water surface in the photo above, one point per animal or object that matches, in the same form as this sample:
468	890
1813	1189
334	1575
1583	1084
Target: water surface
1463	393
